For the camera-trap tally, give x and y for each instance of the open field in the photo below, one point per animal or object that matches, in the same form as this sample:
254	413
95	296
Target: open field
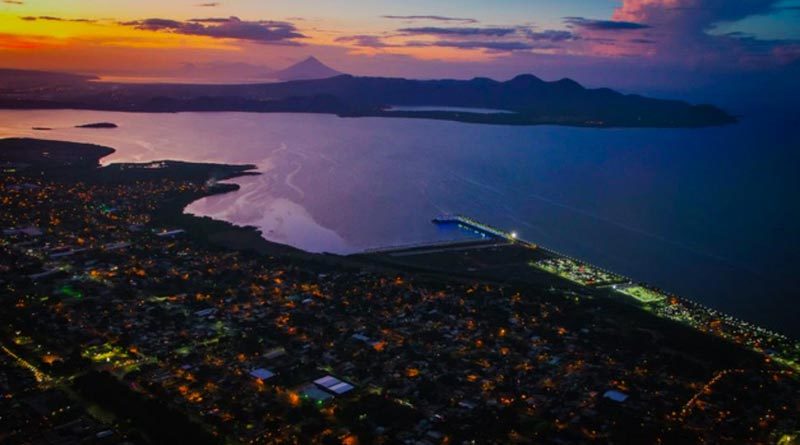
642	294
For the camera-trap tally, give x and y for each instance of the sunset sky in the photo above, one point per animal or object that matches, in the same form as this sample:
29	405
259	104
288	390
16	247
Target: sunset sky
647	44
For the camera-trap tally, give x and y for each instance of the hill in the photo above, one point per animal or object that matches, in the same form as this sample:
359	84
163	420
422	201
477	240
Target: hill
14	78
525	99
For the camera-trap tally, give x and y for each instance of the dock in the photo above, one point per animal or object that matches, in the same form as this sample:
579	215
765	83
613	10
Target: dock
480	228
501	257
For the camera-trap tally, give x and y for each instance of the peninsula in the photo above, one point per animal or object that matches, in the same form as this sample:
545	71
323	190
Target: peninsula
523	100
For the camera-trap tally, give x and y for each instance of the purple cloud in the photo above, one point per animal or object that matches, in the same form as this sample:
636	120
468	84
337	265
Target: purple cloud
680	25
458	31
551	35
262	31
438	18
500	46
365	40
603	25
50	18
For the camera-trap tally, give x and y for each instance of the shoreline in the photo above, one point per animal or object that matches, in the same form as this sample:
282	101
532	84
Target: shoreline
624	280
500	119
227	235
269	246
182	271
531	100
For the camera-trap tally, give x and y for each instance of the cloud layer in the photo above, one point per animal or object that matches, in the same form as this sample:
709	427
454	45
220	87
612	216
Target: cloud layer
603	25
48	18
663	38
437	18
262	31
458	31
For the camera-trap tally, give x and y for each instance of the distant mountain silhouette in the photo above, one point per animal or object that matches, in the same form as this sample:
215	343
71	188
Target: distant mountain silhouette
14	78
528	99
310	68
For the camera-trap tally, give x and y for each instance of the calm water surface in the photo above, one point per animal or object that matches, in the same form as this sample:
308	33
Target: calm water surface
456	109
711	213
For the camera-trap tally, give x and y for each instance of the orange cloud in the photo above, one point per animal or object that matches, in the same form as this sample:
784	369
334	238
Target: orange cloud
35	32
15	42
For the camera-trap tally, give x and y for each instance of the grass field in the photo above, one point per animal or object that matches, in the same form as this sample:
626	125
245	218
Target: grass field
643	294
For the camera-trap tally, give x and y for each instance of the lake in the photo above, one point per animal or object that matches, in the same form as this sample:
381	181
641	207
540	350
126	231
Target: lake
711	214
452	109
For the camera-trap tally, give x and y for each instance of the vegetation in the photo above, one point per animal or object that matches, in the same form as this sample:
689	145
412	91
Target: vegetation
155	419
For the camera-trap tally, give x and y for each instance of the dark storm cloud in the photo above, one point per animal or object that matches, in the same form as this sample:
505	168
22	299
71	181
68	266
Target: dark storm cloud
262	31
209	5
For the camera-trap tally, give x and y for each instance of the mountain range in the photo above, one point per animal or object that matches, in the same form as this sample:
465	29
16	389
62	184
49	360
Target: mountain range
524	100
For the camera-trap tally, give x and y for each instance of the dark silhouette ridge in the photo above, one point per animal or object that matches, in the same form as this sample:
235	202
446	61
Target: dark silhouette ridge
98	125
530	100
310	68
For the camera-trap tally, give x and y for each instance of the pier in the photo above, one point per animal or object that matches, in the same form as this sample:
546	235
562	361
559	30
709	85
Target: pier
501	257
478	227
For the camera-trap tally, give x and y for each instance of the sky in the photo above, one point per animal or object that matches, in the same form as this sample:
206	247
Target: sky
649	45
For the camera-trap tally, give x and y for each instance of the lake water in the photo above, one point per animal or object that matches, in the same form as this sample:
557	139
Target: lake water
711	214
452	109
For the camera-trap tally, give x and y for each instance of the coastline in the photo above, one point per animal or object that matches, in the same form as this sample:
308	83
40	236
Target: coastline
500	119
225	235
173	261
528	99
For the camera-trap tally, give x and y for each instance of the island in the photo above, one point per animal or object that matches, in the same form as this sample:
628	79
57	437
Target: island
98	125
144	325
523	100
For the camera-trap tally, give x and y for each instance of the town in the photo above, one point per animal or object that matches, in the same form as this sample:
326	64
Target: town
124	323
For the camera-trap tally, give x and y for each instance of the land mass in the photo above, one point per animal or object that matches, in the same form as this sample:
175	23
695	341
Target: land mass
527	99
115	304
98	125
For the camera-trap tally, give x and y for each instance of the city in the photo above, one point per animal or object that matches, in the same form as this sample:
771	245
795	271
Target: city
352	222
118	317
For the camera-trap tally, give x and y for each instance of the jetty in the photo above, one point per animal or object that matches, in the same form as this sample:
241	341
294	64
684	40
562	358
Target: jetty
480	228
